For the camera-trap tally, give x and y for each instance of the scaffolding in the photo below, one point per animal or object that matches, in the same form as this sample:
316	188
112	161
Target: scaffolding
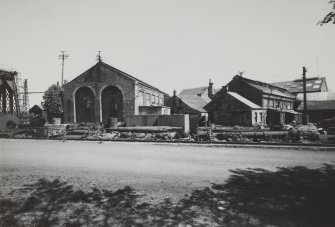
9	101
23	97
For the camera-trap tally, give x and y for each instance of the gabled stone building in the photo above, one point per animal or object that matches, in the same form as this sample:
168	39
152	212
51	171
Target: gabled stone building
104	92
229	108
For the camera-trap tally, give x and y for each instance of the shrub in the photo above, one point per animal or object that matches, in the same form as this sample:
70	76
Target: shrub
303	133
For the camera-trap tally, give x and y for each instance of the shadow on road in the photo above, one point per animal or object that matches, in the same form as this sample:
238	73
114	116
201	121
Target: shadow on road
294	196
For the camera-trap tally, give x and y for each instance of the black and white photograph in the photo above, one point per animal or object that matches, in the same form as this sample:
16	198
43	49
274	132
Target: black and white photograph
157	113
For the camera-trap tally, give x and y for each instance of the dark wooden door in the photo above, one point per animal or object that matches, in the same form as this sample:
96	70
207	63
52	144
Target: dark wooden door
85	106
112	103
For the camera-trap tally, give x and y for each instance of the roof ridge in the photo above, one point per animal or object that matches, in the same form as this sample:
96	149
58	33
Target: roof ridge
130	76
261	83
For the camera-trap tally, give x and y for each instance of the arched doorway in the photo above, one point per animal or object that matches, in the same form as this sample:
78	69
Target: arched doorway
112	103
85	107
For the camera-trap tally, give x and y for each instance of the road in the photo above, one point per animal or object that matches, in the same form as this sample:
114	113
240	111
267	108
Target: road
156	170
69	183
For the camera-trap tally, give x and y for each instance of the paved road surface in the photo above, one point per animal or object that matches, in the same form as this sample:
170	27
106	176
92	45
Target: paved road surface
155	170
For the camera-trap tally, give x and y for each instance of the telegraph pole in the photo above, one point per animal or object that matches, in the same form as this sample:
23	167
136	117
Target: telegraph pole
63	56
304	115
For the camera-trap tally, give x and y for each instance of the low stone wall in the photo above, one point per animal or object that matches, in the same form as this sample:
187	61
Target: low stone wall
141	120
175	120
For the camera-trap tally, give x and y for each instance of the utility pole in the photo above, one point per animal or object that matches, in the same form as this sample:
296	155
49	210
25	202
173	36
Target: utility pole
305	119
63	56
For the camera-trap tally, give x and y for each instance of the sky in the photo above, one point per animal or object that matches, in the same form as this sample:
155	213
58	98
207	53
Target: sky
171	44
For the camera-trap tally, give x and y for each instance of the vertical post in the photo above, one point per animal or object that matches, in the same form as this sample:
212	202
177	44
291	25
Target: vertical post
305	115
63	56
11	102
174	102
4	98
210	89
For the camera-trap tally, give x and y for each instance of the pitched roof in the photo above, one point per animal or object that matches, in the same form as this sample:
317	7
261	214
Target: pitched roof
317	96
266	88
196	98
100	66
195	91
313	84
196	102
244	100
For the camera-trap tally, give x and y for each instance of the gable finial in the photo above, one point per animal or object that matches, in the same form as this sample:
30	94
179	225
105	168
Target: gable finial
240	73
99	56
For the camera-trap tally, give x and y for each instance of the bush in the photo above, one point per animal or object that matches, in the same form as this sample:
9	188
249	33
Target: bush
53	102
304	133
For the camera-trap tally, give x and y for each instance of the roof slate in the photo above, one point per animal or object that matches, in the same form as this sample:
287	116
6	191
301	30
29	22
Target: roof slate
196	98
272	91
193	91
195	102
244	100
267	88
313	84
100	66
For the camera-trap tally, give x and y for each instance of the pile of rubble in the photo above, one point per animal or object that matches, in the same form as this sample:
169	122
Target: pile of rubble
297	134
127	133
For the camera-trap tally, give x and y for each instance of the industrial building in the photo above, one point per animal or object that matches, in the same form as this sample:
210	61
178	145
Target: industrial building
104	92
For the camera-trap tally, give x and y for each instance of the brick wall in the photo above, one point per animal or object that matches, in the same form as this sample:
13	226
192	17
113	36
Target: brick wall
99	77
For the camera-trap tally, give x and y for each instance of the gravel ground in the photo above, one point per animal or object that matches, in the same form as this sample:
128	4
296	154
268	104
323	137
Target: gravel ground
155	172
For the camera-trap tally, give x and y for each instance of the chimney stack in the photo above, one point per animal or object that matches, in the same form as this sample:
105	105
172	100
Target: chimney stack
174	102
225	88
210	89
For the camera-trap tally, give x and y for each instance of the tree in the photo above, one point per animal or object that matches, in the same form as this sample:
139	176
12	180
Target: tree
330	17
53	102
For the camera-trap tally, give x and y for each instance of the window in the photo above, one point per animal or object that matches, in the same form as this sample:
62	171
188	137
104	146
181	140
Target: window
147	103
265	102
255	117
271	103
261	117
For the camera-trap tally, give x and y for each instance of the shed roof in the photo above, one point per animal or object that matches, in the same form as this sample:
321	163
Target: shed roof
317	96
244	100
313	84
318	105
